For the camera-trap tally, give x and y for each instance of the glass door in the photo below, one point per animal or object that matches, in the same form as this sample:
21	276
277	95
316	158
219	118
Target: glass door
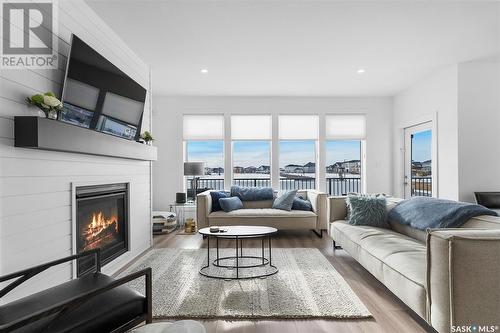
418	161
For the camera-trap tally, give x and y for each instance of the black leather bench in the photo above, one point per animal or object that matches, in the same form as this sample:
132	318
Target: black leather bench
93	302
489	200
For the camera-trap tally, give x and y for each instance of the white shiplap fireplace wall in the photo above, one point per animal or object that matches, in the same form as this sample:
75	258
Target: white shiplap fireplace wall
35	186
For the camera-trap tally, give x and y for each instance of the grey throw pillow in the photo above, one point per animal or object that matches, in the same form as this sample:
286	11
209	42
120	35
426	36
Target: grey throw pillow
367	210
230	204
285	201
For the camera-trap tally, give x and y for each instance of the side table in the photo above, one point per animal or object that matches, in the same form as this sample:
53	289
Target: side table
180	210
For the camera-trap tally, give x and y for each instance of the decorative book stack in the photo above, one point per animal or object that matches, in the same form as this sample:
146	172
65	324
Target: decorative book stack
164	222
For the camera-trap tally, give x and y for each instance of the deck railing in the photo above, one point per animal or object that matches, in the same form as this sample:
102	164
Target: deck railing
335	186
303	183
343	186
421	186
252	182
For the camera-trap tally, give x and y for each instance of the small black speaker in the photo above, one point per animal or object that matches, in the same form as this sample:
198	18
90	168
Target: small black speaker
180	197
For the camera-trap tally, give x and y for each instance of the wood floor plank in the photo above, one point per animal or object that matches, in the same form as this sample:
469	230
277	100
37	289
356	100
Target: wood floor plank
389	313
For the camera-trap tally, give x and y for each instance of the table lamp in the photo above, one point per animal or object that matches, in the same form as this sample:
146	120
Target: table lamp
194	169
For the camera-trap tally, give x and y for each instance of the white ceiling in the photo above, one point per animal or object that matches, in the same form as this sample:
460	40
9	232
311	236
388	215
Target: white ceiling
300	48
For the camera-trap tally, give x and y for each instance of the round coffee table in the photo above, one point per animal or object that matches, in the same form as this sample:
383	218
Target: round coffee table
239	261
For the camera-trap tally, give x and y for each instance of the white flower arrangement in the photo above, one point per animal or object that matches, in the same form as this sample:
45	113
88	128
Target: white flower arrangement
47	102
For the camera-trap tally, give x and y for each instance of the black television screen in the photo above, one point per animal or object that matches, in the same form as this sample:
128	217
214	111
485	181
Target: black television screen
99	96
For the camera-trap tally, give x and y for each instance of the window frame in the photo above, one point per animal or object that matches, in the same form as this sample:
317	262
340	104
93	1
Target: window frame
185	159
315	161
270	160
362	158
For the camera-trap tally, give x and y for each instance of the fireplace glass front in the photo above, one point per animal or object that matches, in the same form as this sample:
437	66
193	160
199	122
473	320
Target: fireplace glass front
101	222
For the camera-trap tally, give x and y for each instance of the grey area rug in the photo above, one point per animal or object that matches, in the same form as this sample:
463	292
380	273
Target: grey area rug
307	286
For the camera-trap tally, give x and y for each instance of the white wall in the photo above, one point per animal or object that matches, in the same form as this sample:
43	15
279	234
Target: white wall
168	111
434	97
35	186
479	127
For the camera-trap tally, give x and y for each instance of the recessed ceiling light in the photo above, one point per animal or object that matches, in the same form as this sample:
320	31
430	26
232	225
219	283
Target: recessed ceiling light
204	71
361	71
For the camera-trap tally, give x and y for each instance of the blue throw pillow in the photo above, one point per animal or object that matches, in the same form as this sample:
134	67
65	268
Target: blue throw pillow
285	201
300	204
252	193
230	204
216	195
367	210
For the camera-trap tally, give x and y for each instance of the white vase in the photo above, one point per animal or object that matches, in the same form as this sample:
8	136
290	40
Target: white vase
52	114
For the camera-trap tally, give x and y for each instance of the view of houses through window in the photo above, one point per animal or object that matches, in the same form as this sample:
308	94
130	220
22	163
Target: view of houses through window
297	164
298	146
212	153
343	166
421	163
251	163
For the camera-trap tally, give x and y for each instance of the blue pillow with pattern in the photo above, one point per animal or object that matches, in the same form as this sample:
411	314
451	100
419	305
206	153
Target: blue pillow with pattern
285	201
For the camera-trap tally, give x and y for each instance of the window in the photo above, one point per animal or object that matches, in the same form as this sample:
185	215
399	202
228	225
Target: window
212	154
418	160
248	144
298	136
204	142
251	146
251	163
345	135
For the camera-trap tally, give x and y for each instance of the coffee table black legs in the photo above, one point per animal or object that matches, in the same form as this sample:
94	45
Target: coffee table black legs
237	259
262	250
217	268
208	252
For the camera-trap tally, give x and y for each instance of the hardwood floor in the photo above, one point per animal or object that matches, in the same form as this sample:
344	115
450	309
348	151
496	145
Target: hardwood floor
389	313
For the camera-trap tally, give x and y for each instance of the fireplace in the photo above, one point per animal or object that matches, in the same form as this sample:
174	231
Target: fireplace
101	222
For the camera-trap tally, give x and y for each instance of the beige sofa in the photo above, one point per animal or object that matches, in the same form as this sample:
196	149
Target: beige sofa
261	213
449	277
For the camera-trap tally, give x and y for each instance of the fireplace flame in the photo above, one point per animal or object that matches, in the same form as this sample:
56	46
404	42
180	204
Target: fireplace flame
99	228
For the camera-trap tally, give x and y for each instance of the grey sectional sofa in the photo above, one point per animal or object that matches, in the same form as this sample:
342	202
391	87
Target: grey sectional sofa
262	213
449	277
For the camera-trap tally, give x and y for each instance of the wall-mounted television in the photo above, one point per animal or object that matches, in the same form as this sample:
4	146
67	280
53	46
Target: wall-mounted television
99	96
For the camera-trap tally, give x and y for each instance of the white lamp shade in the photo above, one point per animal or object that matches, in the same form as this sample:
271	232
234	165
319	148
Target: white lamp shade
254	127
194	168
346	127
203	127
298	127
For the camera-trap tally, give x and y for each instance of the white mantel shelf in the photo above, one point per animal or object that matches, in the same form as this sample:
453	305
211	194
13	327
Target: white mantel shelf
47	134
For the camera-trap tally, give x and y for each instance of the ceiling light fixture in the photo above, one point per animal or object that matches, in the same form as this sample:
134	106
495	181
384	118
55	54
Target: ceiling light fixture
204	71
361	71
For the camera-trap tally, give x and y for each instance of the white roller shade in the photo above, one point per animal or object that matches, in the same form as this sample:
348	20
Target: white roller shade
203	127
298	127
255	127
345	127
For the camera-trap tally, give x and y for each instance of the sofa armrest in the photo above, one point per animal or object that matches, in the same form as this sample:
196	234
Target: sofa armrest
463	273
203	208
319	204
338	208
